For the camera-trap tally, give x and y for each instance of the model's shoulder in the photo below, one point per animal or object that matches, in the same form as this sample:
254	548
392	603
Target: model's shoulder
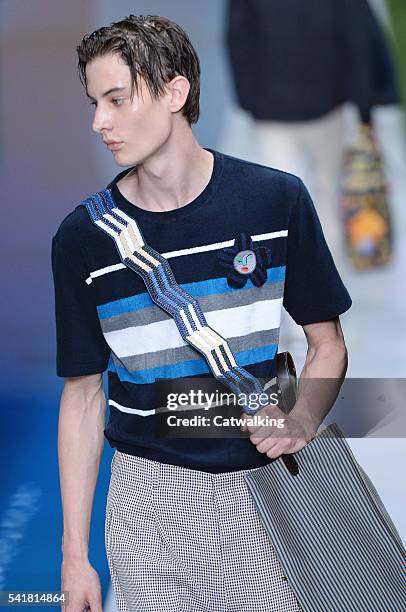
261	181
259	173
78	223
74	223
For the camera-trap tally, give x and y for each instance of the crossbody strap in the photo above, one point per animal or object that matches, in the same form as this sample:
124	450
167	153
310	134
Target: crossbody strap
163	289
168	295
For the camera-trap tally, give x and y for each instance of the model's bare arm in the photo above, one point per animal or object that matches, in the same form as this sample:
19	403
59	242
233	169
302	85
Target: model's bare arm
80	447
323	372
320	382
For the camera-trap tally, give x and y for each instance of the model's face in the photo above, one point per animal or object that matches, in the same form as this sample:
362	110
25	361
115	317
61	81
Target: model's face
137	127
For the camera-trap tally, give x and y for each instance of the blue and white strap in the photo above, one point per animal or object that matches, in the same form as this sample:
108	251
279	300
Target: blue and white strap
166	293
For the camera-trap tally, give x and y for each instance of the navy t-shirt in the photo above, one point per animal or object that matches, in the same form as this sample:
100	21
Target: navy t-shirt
106	319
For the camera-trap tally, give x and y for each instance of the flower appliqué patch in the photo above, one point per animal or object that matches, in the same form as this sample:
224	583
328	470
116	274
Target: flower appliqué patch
243	261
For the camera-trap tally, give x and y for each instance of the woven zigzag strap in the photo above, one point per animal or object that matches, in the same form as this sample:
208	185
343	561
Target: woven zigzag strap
166	293
180	305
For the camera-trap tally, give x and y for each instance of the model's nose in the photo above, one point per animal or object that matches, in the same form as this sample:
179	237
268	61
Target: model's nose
101	120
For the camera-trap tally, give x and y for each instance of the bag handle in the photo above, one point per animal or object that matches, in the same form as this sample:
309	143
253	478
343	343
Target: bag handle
161	284
287	380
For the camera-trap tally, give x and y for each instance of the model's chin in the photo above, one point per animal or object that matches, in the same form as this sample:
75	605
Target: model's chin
120	158
123	156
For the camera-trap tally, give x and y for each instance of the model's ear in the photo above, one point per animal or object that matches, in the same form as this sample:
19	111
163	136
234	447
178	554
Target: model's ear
177	90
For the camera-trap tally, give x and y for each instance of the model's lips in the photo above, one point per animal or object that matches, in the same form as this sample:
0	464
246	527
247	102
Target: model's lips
113	145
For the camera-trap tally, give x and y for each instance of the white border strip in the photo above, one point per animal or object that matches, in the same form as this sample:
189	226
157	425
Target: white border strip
191	251
131	410
105	270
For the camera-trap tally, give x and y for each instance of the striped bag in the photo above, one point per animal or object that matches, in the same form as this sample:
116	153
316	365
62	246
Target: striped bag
335	541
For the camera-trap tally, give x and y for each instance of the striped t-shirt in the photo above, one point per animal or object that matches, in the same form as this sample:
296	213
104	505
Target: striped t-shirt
106	319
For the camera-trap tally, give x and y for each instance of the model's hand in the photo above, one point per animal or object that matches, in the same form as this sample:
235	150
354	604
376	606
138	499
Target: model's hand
82	584
274	441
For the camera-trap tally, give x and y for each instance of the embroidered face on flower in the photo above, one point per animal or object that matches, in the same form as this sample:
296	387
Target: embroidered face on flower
243	261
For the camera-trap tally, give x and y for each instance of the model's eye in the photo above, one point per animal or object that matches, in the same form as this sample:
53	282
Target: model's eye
92	103
117	101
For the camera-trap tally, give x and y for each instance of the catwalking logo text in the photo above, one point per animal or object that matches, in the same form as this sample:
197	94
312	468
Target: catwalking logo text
221	421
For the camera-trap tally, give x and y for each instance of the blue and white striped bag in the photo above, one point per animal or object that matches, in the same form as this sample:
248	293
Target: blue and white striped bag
335	540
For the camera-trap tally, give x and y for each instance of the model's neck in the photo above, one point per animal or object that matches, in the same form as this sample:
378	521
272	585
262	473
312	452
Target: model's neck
170	179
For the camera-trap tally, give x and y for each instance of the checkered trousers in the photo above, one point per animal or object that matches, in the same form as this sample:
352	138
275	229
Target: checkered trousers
181	540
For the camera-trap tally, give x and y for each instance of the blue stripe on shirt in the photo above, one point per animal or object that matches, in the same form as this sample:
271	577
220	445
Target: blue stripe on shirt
197	289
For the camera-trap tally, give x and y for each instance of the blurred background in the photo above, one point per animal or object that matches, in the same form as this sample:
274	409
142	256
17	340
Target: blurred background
315	88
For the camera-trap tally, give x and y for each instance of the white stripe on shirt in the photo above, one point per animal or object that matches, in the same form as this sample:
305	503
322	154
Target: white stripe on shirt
163	335
191	251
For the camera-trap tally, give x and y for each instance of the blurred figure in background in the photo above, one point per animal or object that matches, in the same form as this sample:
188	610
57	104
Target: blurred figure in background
295	65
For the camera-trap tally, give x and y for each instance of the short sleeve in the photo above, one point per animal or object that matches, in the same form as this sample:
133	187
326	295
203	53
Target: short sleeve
313	290
81	346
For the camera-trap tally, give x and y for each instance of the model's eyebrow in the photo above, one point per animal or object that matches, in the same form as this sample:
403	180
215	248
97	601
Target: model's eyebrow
109	91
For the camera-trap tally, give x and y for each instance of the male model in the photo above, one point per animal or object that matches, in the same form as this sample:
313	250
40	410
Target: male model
182	532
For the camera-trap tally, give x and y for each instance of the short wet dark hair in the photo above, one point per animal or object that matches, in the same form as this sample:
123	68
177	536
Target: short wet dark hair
154	48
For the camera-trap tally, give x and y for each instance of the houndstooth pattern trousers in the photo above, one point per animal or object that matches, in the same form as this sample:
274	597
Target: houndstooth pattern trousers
182	540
